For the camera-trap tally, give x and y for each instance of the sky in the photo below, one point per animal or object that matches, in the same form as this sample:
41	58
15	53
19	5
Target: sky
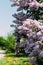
6	18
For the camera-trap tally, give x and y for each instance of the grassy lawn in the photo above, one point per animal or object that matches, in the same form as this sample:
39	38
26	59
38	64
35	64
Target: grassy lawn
14	61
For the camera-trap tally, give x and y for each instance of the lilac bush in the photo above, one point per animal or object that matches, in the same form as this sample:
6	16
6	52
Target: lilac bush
28	28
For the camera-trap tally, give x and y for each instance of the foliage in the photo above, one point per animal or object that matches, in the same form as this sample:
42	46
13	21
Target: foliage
8	42
2	42
28	29
41	0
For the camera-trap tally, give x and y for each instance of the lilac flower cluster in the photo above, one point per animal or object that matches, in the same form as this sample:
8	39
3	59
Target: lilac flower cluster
27	3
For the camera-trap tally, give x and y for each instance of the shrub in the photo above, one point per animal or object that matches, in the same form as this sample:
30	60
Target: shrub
2	42
10	41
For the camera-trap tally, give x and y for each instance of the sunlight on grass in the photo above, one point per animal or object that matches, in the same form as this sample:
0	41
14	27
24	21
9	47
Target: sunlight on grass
14	61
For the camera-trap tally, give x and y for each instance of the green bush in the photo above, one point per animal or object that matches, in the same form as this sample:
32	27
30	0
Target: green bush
2	42
8	42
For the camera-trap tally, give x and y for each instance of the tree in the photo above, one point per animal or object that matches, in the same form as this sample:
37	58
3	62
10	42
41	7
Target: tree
2	42
10	41
28	29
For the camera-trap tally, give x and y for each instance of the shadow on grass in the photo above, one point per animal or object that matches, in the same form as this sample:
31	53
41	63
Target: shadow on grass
17	55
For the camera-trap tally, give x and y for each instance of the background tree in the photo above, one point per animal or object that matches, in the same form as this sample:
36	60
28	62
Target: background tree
8	42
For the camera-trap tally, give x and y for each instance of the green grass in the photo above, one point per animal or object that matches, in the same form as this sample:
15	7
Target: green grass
14	61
